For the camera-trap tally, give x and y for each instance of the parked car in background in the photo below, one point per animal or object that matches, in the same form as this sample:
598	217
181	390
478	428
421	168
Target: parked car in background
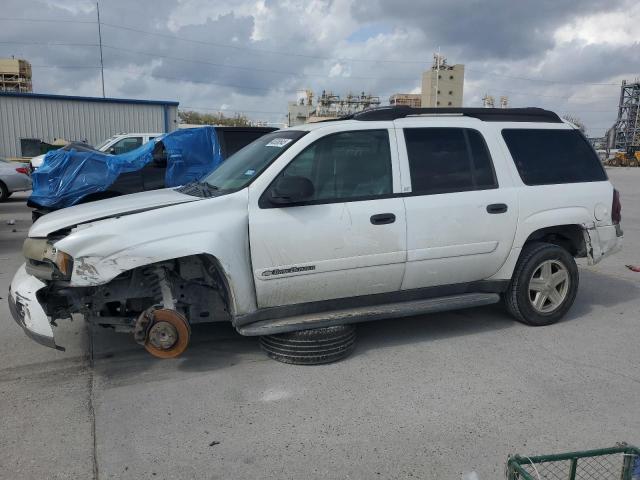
115	145
14	177
390	213
78	173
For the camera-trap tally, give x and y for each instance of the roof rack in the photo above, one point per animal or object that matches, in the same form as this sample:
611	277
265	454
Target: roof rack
529	114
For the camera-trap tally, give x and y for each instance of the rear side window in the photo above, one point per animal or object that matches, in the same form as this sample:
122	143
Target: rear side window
445	160
545	157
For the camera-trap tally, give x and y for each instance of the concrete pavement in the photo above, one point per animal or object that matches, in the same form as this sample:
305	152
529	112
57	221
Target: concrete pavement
426	397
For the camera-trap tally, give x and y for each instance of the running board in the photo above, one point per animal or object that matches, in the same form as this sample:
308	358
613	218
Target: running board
369	313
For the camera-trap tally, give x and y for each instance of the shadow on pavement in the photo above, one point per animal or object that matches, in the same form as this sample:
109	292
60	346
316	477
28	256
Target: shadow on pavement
600	290
218	345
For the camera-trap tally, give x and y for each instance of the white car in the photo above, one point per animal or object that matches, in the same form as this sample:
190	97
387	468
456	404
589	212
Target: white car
389	213
14	177
116	144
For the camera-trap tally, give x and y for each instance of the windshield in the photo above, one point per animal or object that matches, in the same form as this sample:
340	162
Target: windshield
102	144
243	166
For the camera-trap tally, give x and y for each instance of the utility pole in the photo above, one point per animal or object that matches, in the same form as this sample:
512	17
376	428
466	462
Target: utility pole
435	103
100	42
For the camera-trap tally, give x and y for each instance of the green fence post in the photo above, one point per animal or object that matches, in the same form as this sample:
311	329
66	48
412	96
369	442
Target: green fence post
627	466
573	469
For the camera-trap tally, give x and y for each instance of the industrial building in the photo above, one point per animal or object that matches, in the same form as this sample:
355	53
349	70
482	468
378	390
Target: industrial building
626	131
328	106
15	75
26	118
443	84
413	100
488	101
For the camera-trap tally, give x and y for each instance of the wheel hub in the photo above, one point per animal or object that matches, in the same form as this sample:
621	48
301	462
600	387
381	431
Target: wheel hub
163	335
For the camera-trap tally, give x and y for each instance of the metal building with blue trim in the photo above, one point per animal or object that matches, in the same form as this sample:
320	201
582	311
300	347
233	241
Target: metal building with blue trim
48	117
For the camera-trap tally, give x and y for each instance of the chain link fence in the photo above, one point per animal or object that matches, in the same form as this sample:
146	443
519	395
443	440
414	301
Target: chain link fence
619	463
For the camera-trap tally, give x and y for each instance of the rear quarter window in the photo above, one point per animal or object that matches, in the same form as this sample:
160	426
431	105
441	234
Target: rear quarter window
545	157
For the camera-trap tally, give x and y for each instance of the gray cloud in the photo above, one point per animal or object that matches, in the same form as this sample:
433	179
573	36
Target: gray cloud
485	29
497	40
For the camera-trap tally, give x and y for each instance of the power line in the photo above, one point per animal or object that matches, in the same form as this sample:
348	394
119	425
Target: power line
45	20
256	69
281	72
318	57
542	80
64	66
191	80
50	44
223	110
256	50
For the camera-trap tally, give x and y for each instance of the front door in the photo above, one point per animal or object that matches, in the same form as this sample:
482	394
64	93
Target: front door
348	239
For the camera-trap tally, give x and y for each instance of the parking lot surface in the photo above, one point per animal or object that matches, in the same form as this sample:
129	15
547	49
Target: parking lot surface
428	397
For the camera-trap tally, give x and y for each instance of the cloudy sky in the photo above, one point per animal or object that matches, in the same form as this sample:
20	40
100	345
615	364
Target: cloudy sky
252	56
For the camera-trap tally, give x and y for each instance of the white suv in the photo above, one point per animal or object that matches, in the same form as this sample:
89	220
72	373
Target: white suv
388	213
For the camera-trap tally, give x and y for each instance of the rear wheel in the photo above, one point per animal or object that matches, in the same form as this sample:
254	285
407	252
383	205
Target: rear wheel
311	347
544	284
4	192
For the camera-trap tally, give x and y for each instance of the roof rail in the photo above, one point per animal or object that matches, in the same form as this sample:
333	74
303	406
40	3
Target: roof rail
529	114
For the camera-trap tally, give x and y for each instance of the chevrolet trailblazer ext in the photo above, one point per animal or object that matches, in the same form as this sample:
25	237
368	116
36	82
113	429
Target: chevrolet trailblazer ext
387	213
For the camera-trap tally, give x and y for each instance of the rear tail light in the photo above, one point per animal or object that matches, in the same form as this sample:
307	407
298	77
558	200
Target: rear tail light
616	207
22	170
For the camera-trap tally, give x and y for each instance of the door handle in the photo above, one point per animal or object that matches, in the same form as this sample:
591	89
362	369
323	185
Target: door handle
497	208
383	218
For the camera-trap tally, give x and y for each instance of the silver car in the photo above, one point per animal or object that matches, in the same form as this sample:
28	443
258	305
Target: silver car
14	177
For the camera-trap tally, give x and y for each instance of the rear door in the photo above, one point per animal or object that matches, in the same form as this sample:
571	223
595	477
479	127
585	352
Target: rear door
460	202
349	239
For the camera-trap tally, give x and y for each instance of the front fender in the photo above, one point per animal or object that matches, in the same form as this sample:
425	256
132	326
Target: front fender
217	227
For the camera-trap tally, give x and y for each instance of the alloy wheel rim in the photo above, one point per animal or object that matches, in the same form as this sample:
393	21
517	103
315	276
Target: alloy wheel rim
548	286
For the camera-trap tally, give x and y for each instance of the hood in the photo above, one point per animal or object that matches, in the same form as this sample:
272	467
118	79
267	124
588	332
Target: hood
111	207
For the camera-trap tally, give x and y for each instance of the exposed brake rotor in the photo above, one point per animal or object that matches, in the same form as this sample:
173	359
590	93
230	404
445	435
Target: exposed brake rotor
164	333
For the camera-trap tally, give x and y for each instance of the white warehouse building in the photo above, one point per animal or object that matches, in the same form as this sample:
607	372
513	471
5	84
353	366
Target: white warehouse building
26	118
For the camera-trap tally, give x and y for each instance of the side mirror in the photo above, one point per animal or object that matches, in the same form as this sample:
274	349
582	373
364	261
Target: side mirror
291	190
112	150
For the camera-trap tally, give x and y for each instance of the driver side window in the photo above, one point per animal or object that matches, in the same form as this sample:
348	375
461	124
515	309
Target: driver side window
126	145
346	166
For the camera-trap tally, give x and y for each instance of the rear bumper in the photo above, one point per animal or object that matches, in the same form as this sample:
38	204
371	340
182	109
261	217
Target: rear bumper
27	311
602	242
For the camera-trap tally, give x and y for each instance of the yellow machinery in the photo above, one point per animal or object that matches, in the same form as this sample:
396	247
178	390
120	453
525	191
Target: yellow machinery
630	158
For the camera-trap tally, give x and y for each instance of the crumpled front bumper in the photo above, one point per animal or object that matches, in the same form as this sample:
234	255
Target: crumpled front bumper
27	311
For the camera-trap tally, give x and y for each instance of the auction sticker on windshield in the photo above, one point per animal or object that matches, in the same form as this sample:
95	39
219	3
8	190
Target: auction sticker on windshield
278	142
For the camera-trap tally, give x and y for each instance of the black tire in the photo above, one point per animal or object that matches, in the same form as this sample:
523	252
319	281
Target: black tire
517	298
4	192
311	347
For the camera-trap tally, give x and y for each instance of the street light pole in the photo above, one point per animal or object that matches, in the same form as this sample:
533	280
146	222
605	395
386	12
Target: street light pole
100	43
435	103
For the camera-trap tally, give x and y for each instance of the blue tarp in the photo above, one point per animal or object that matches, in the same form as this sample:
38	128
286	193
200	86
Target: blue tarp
68	175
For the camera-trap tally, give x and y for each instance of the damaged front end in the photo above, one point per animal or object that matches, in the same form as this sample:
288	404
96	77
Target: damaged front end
26	309
184	291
